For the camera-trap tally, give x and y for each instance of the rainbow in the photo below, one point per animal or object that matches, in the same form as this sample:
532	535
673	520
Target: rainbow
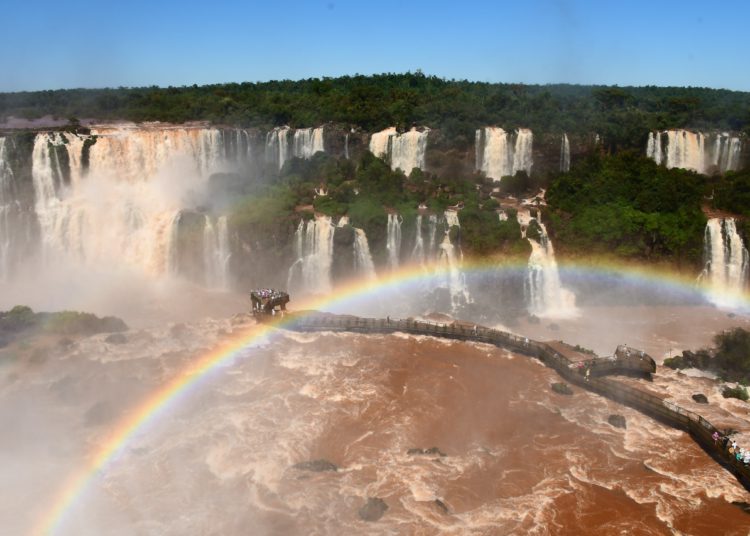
159	402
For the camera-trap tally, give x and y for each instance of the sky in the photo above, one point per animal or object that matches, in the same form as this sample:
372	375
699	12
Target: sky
111	43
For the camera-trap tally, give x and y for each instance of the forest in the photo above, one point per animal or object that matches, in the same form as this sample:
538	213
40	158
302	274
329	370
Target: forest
622	115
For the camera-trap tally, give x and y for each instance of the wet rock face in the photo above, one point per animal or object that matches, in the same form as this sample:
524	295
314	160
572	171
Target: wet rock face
562	389
700	398
373	509
317	466
618	421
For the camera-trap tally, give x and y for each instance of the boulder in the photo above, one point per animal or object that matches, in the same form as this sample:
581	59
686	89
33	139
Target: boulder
373	509
432	451
700	398
317	466
562	389
618	421
116	338
441	506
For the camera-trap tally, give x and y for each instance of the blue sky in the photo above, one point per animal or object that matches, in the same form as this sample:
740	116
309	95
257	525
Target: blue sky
109	43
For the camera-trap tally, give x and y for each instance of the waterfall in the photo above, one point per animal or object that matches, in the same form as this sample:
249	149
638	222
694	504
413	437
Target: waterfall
498	155
524	219
363	265
393	242
696	151
449	261
564	154
726	152
313	244
726	261
408	150
494	155
346	146
55	217
142	154
173	234
653	147
277	146
380	142
686	150
307	142
121	212
123	209
432	233
404	151
417	254
545	294
522	158
216	253
451	218
6	206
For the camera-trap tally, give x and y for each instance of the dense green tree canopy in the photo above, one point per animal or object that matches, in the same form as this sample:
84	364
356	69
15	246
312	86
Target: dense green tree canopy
622	115
628	206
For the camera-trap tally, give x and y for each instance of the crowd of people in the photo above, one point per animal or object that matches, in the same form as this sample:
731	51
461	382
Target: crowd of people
740	453
269	293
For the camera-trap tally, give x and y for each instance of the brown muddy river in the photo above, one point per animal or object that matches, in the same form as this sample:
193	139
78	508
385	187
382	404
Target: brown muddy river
519	459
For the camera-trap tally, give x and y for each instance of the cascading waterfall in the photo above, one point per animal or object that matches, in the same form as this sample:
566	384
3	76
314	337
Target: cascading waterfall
404	151
55	217
173	235
307	142
313	244
523	215
498	155
726	261
418	254
346	146
363	265
408	150
380	142
522	159
449	259
393	242
432	234
704	153
6	206
277	146
653	147
564	154
120	213
726	152
545	294
216	253
142	154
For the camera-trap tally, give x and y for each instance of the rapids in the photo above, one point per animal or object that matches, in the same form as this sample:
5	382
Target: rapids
519	458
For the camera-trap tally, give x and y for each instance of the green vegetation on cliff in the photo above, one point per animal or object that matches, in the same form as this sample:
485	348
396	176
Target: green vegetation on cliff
731	193
365	191
628	206
22	320
730	359
621	115
622	205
